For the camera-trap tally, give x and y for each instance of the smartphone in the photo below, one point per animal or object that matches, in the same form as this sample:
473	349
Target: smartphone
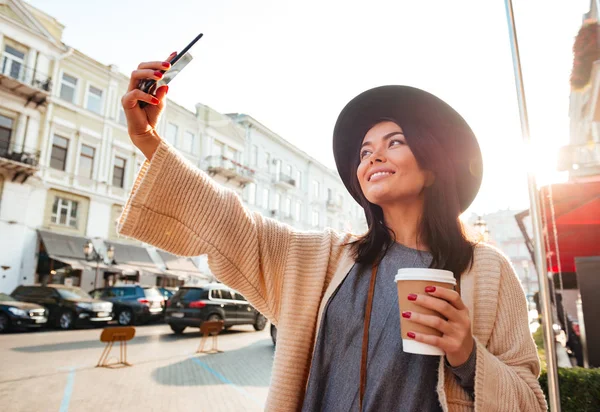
182	59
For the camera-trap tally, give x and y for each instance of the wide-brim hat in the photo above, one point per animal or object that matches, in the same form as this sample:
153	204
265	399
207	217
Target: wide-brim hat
398	103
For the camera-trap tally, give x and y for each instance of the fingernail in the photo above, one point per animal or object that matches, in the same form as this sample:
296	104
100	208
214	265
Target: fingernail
166	89
412	296
154	100
411	335
166	65
430	289
406	315
158	74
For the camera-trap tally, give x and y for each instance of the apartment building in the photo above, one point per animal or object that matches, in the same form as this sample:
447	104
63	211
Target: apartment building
67	166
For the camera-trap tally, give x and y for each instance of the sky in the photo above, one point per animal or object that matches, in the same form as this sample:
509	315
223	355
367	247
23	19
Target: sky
293	65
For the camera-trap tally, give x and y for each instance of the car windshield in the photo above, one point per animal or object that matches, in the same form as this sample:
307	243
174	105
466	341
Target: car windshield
73	293
6	298
152	293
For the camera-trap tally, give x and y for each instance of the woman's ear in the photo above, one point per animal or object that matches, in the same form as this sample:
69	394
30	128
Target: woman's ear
429	178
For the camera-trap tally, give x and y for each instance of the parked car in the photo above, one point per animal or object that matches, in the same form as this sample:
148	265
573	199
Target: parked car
67	306
133	304
20	315
167	292
193	305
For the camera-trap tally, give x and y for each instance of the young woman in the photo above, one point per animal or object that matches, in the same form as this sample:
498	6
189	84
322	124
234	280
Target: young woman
414	165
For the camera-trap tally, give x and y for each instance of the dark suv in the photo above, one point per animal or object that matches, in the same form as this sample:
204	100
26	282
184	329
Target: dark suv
67	306
192	305
133	303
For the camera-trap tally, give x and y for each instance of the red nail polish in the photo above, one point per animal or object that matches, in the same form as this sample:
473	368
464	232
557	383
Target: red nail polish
412	296
166	65
411	335
430	289
158	74
154	100
406	315
166	88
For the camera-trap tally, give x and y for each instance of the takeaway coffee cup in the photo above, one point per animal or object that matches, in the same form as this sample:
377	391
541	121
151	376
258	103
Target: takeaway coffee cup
413	280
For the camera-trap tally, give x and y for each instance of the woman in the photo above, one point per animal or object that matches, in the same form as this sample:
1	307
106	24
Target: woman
413	164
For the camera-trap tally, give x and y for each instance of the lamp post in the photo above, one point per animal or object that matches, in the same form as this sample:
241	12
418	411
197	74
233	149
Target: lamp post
481	227
92	255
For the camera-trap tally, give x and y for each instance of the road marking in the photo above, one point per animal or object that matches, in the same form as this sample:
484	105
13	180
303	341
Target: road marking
64	406
228	382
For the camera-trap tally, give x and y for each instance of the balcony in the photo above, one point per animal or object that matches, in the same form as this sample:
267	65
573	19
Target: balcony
18	164
24	81
284	181
580	160
229	169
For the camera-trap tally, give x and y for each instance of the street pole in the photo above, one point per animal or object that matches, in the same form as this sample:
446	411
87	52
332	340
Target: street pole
534	207
97	267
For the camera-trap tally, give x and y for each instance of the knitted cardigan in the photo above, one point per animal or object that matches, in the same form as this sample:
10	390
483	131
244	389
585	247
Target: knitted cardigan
289	275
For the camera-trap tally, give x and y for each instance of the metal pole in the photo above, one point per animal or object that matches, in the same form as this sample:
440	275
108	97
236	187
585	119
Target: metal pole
534	206
96	275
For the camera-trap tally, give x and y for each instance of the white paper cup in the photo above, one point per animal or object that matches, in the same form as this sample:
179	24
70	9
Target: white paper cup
415	280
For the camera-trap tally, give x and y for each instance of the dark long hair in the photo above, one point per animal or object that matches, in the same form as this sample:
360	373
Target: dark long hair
439	228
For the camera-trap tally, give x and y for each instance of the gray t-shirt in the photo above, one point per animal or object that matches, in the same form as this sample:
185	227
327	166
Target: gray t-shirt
396	381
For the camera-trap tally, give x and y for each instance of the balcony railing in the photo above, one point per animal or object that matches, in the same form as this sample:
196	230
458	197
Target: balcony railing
28	76
578	158
229	168
19	163
285	181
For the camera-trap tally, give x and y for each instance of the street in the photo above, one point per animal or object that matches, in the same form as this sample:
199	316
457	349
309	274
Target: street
55	371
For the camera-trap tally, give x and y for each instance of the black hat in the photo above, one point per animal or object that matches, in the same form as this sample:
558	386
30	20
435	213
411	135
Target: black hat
403	102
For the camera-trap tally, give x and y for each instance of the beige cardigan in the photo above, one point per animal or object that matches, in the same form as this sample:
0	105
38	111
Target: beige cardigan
289	276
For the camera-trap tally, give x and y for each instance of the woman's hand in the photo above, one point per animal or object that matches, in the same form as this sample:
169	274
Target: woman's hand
456	340
141	123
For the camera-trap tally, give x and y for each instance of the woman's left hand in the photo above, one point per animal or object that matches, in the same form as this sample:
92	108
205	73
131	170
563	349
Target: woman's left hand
456	340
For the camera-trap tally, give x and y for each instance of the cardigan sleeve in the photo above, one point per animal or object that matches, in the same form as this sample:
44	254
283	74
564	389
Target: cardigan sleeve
179	208
507	370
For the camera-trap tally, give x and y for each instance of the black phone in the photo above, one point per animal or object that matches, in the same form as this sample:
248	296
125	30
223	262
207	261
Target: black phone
177	64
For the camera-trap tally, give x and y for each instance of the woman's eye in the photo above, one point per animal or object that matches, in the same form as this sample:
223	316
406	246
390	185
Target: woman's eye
364	154
396	142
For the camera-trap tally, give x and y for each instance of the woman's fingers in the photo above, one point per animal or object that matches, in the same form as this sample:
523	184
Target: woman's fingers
130	99
439	305
448	295
149	70
432	321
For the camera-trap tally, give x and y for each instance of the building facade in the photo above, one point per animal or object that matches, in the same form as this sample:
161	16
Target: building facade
67	166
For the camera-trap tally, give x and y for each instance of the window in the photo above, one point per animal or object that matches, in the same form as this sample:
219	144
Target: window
329	222
94	100
277	201
215	294
298	210
315	218
86	161
231	154
329	194
265	198
299	179
68	87
340	199
6	127
64	212
58	156
288	171
251	188
172	131
13	62
119	172
122	118
218	149
316	190
254	155
188	142
238	296
268	160
288	206
225	294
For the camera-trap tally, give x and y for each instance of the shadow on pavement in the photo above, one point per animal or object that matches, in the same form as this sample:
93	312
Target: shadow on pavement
138	340
247	366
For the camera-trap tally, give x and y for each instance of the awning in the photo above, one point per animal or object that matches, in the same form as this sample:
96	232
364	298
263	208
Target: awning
176	263
577	223
67	246
132	258
74	263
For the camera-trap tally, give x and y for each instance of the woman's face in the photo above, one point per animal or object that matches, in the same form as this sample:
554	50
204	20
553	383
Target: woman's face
388	171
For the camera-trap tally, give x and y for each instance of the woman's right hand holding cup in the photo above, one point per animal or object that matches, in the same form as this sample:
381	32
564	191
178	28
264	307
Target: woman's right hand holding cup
142	122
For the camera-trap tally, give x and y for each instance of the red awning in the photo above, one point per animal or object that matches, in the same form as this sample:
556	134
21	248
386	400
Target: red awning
577	221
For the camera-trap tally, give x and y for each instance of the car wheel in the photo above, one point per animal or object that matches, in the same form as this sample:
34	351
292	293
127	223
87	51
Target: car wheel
260	322
178	330
4	323
274	334
214	318
65	321
125	317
